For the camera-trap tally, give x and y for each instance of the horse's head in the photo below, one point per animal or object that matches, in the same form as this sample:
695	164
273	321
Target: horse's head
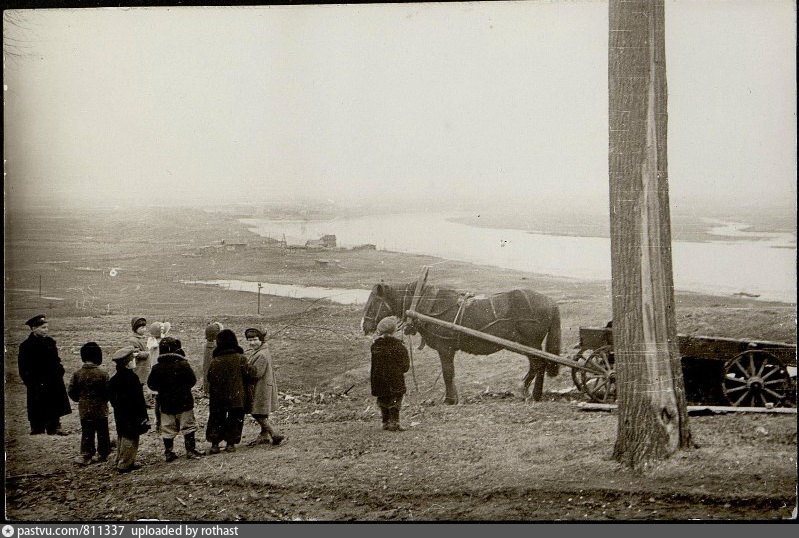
382	302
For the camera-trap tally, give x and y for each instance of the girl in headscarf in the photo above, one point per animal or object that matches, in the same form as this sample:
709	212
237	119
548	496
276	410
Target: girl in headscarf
158	331
262	388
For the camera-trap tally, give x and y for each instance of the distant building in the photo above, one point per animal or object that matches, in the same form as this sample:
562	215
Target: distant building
219	246
326	241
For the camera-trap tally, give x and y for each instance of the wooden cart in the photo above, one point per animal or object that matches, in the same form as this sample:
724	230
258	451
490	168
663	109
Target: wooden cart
716	370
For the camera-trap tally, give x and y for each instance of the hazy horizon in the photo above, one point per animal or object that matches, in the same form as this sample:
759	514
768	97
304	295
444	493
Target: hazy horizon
493	104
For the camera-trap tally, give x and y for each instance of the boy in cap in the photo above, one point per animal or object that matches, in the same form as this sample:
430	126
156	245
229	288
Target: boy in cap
211	332
130	411
173	378
390	361
89	387
227	375
262	388
43	374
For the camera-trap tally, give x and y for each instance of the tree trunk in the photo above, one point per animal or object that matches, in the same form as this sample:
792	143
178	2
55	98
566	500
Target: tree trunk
653	422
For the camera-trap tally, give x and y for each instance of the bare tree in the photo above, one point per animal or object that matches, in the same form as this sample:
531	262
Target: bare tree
653	422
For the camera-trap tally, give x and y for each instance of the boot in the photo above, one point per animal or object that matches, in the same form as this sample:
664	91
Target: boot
191	447
83	460
169	452
277	439
263	439
214	448
386	417
394	420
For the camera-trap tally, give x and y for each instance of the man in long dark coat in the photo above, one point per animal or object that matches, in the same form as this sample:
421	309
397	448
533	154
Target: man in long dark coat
43	374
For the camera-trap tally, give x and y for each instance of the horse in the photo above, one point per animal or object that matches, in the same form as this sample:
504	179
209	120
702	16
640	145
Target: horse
521	315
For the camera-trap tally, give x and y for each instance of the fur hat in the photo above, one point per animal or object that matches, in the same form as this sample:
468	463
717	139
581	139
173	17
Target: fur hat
226	341
212	330
123	355
36	321
387	325
258	333
91	352
169	344
137	322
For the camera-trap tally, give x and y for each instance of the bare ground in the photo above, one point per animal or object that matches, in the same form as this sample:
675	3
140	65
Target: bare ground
492	457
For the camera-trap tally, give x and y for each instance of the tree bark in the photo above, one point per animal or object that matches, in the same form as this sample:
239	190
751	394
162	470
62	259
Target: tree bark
653	421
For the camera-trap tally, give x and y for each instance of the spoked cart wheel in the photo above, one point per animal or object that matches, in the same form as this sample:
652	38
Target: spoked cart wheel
755	378
598	387
580	357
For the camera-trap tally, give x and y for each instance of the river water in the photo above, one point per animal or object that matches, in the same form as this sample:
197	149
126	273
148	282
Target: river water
335	295
757	264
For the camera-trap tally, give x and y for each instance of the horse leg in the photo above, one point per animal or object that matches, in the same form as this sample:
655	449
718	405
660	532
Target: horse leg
528	378
448	370
537	368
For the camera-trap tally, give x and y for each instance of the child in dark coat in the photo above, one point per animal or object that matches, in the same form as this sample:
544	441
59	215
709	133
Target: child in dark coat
89	387
130	410
390	361
227	375
173	378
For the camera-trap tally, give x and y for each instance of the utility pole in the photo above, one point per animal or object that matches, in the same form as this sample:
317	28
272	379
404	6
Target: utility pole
653	420
259	298
40	286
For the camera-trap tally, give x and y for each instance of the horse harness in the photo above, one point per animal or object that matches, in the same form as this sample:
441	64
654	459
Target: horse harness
383	303
464	300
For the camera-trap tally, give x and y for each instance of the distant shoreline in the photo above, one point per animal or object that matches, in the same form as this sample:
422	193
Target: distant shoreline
694	231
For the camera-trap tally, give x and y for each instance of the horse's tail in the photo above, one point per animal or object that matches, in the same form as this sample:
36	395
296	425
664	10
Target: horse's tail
553	341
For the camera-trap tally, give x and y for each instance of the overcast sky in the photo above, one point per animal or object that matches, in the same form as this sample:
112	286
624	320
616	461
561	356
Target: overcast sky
497	100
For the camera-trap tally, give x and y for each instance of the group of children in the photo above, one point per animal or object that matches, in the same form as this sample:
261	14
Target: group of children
235	382
153	367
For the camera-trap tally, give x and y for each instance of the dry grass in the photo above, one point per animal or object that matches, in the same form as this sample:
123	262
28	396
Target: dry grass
493	457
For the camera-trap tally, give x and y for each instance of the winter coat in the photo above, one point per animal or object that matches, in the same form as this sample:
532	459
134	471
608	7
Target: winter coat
262	387
390	361
145	357
227	375
41	370
139	343
89	387
172	378
127	398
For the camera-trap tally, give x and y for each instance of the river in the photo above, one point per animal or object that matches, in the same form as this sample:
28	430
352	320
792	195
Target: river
762	267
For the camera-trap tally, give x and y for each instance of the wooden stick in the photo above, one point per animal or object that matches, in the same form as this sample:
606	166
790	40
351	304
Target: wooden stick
508	344
700	409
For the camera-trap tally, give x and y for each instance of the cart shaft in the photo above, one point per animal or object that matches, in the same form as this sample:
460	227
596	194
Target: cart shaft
508	344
